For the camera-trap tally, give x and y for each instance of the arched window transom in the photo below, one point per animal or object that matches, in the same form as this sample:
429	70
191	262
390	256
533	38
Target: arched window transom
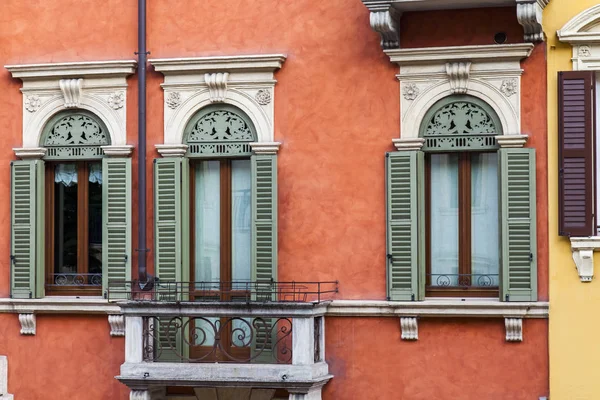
74	135
219	131
460	123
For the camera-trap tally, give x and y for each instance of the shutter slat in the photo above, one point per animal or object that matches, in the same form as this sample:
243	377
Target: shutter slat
575	152
403	171
116	221
518	225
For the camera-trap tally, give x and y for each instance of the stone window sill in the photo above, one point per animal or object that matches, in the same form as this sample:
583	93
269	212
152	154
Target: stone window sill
583	254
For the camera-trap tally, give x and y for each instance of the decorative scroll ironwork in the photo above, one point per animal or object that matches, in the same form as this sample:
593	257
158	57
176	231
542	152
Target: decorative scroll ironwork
225	339
76	130
72	279
463	280
220	130
236	291
463	124
460	118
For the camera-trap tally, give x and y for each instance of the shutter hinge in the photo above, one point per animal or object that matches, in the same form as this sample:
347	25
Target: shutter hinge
412	297
387	155
561	171
13	259
390	258
30	295
506	298
530	257
105	295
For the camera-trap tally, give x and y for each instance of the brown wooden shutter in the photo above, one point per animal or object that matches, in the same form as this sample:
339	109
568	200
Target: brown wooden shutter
576	187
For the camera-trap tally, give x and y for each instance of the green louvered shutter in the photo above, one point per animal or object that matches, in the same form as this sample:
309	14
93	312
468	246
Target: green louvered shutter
264	246
405	228
116	221
518	225
27	204
264	220
169	251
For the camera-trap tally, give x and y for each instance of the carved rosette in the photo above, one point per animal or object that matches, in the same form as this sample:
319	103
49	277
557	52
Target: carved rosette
33	103
173	100
263	97
116	100
509	87
410	91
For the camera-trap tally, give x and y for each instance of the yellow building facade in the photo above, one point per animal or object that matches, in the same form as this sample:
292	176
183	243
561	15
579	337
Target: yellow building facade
573	44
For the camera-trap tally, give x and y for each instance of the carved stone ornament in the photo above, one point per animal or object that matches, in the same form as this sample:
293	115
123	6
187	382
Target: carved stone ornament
71	90
117	325
410	91
140	395
584	51
583	255
33	103
509	87
385	22
173	100
116	100
217	86
410	328
263	97
458	74
27	322
529	15
514	329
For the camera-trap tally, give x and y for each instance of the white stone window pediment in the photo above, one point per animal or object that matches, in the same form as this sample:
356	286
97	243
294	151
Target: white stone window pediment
190	84
490	73
583	33
98	87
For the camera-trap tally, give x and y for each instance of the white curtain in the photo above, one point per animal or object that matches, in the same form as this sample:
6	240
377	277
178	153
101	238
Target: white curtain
66	174
96	173
444	219
208	222
484	219
240	221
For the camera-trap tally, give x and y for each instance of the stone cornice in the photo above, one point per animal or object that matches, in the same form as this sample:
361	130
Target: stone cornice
438	308
86	69
266	62
436	55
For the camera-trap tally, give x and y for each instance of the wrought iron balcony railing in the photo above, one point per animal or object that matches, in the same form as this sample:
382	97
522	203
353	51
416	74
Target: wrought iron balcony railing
230	291
462	280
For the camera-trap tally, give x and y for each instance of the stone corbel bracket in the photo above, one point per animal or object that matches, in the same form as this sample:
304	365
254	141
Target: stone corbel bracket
385	20
117	325
217	86
514	329
583	255
458	74
529	15
71	90
28	324
410	328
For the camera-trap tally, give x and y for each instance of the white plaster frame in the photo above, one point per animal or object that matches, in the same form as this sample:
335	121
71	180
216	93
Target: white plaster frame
56	87
246	82
427	75
583	33
4	379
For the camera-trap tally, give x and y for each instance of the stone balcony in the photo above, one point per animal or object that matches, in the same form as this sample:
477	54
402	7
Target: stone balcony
248	349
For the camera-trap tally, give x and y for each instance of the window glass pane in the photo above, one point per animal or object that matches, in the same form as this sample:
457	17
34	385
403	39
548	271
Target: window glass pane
444	219
485	258
207	243
240	219
65	223
95	223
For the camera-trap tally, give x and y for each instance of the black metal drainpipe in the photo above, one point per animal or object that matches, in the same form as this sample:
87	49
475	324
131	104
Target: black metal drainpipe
142	57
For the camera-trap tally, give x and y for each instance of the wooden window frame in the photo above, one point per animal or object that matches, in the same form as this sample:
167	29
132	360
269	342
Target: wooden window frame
464	227
82	232
225	293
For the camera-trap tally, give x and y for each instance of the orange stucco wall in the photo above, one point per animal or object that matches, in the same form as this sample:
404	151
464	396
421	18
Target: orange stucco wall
336	111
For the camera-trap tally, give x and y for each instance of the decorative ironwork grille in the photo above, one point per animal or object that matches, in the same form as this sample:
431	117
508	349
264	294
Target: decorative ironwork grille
219	132
75	134
463	124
